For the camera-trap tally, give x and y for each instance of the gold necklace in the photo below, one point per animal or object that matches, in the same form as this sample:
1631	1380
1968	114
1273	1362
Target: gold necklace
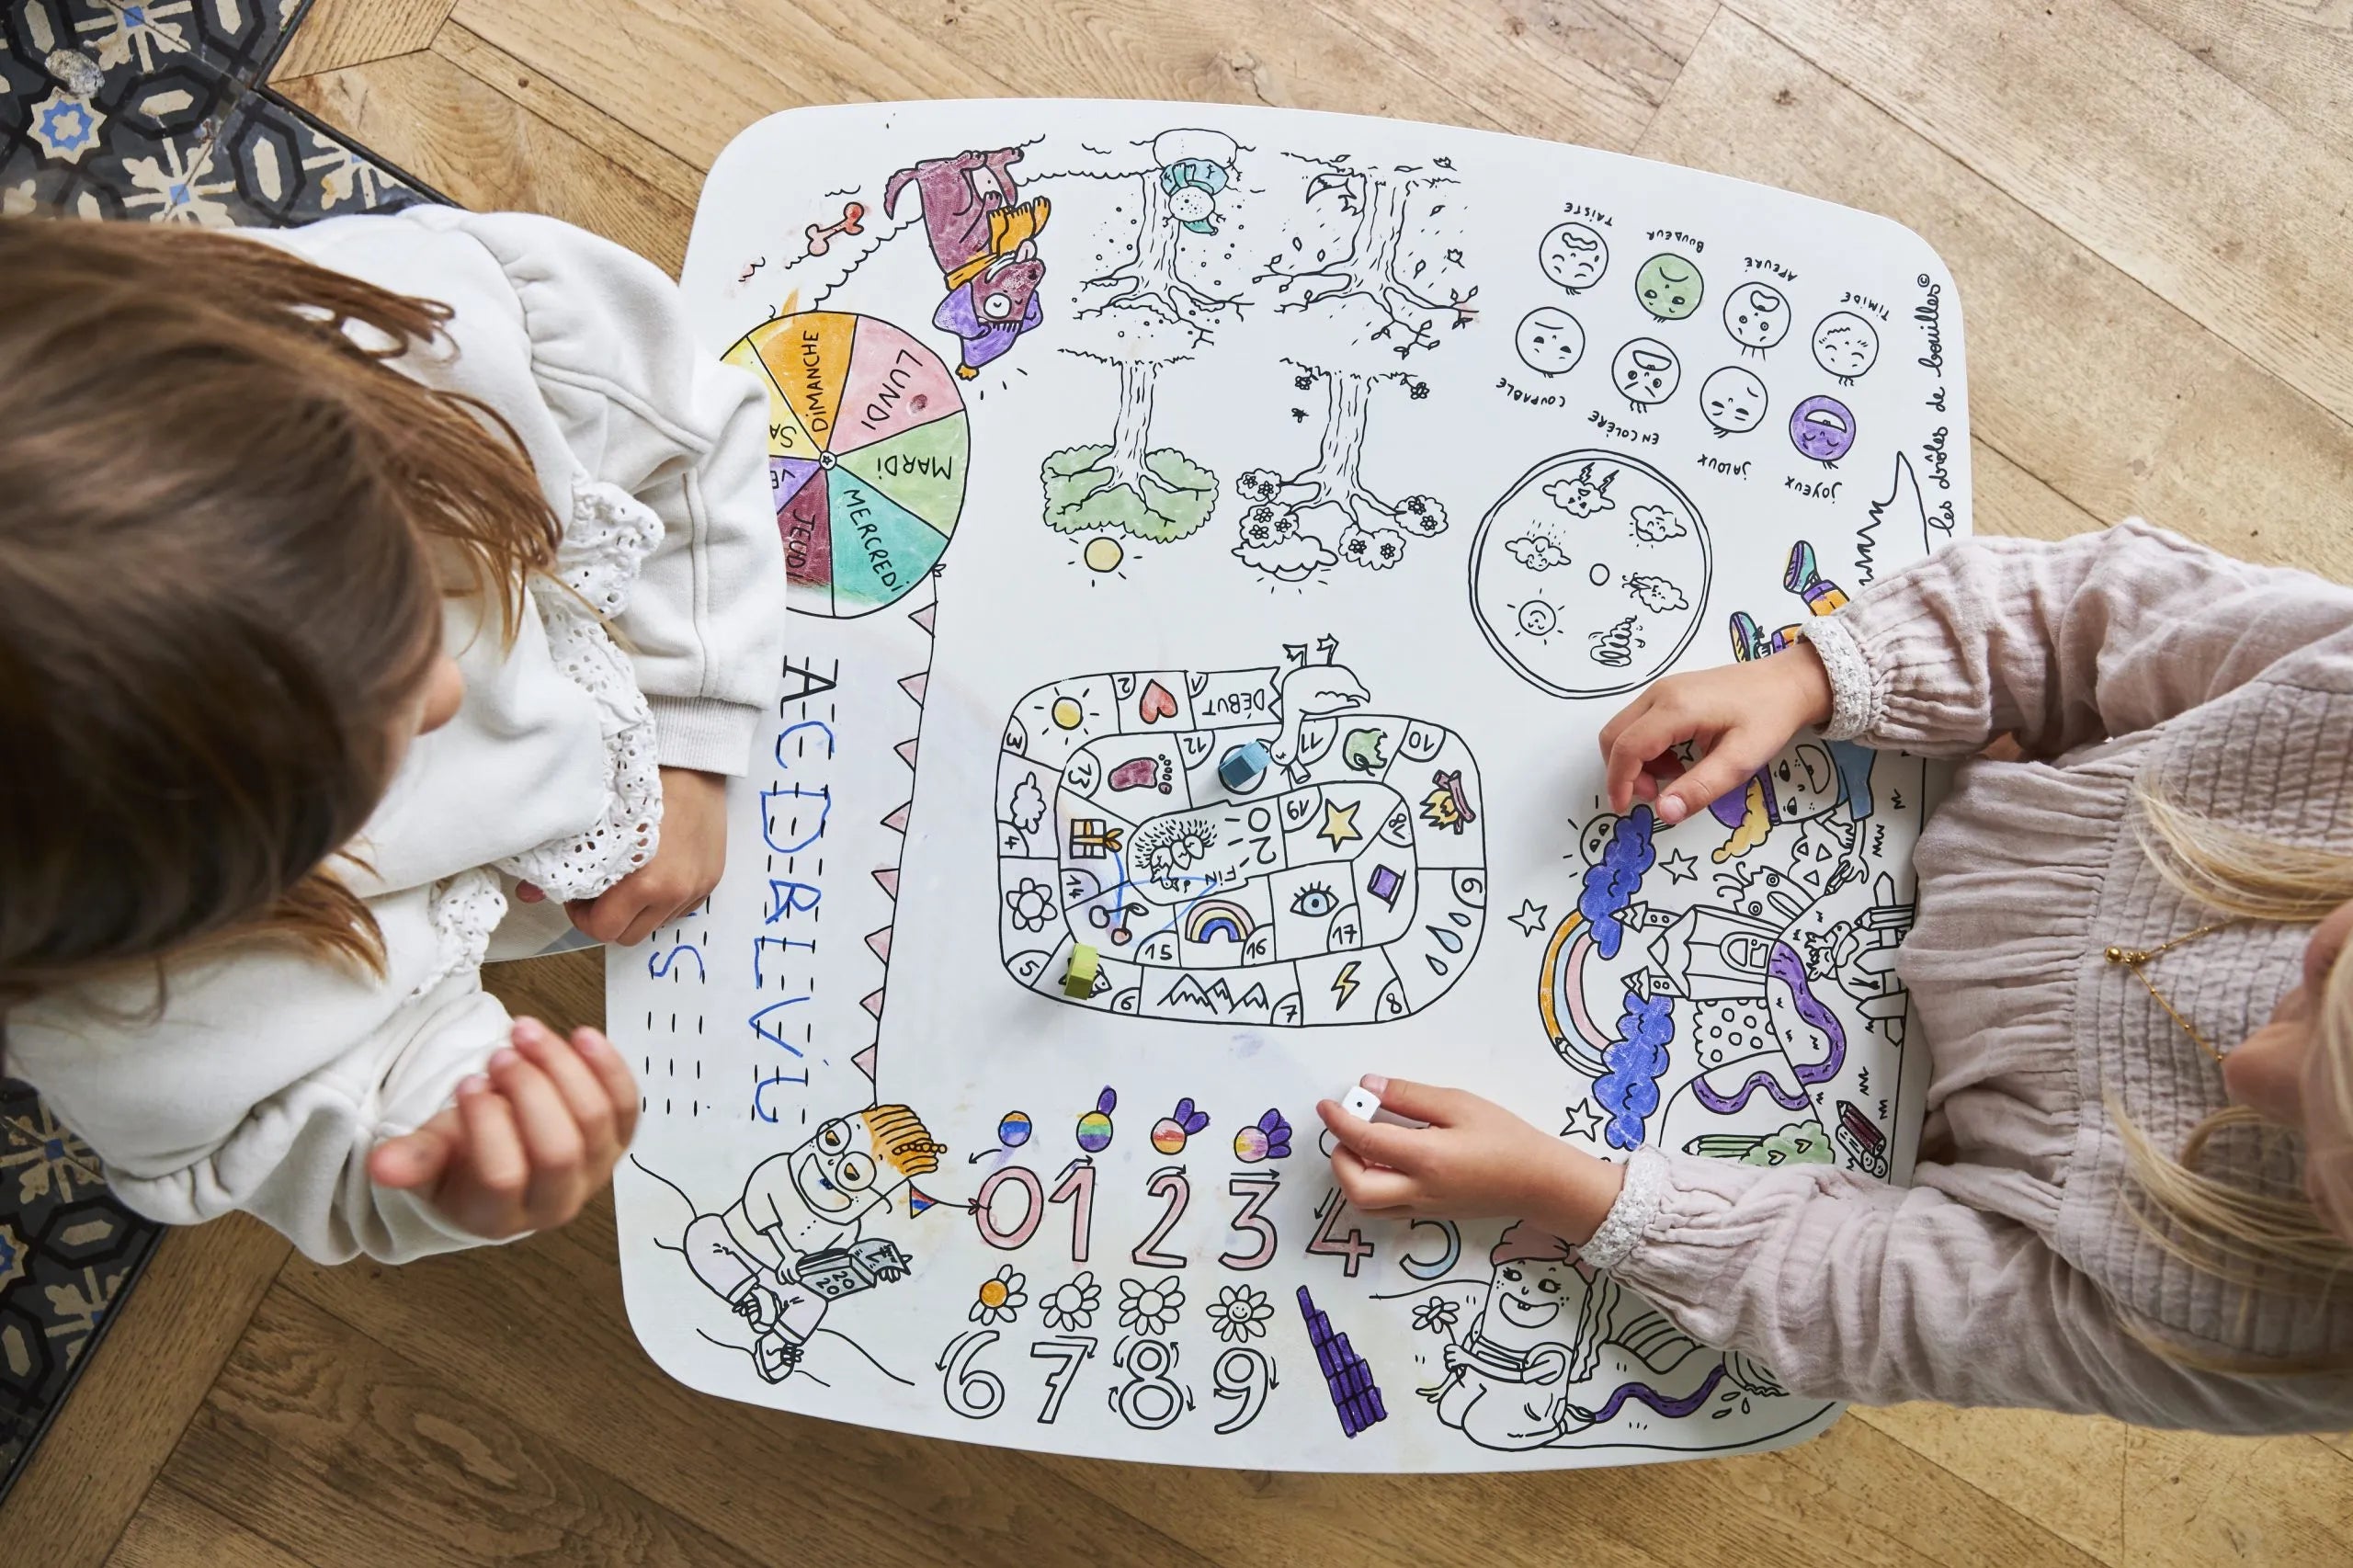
2133	959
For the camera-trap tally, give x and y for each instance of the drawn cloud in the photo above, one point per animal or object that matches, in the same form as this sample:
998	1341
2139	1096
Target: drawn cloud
1290	559
1581	497
1611	882
1629	1090
1656	525
1537	552
1658	595
1029	807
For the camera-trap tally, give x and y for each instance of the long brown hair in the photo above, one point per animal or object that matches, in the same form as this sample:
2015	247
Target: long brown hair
227	524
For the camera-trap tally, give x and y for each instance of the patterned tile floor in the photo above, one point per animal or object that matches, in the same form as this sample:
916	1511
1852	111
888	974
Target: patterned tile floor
153	111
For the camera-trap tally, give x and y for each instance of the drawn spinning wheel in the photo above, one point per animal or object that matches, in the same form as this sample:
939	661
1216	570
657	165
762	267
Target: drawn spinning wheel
867	446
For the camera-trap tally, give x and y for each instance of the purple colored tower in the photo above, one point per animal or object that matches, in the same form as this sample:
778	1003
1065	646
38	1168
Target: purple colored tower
1347	1373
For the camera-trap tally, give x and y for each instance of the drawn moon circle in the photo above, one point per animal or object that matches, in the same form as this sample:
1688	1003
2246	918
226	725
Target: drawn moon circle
1618	555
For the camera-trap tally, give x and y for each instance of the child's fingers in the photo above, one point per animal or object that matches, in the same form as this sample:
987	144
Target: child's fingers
1625	716
1378	1141
494	1148
1724	768
551	1138
1423	1102
583	1096
415	1159
1654	733
613	1073
1370	1187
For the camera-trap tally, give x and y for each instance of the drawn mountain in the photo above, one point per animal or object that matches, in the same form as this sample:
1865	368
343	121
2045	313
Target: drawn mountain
1215	999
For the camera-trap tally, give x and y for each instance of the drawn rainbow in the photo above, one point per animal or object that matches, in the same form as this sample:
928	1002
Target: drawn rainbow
1218	920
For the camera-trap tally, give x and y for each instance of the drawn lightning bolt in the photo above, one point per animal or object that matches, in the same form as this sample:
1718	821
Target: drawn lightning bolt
1345	985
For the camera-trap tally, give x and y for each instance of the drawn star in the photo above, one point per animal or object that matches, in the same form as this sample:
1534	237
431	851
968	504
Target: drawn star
1585	1122
1339	824
1680	867
1530	918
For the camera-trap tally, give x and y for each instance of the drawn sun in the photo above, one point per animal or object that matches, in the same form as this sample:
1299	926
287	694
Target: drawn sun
1103	556
1538	618
1067	709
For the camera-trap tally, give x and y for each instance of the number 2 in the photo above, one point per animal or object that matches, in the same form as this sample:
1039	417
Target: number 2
1168	1182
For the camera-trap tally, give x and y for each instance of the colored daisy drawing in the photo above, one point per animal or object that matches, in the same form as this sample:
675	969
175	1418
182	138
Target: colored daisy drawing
1000	1297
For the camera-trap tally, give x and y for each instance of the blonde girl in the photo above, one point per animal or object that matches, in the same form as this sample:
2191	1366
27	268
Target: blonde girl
2135	1188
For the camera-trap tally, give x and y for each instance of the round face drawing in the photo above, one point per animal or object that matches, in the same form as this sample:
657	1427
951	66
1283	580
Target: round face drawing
1528	1304
1647	371
1574	255
1668	287
1732	400
1806	782
1823	428
835	1172
1757	316
1845	345
1550	341
1190	203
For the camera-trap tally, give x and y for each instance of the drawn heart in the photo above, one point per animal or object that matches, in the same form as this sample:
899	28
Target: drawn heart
1156	704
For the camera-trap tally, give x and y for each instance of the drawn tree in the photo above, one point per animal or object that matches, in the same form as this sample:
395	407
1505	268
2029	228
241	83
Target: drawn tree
1156	493
1141	317
1350	301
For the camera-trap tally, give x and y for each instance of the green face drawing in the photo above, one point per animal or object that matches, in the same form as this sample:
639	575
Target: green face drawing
1668	287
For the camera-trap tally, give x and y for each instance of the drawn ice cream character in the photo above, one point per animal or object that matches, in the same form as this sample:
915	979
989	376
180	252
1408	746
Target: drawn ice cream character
1809	780
792	1242
1757	317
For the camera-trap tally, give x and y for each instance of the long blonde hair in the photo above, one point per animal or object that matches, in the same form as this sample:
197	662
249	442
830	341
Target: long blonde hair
2262	1242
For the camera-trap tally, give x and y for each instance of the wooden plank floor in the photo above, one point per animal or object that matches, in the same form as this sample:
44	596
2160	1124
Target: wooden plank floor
2146	204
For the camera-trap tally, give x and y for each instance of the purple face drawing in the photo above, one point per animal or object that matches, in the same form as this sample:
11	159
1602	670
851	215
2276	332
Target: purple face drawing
1823	428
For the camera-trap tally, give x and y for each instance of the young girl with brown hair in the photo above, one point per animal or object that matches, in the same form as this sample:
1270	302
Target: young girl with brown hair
374	597
2127	943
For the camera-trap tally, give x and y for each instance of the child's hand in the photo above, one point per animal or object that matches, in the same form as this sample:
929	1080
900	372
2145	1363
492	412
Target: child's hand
1474	1161
684	869
526	1144
1741	715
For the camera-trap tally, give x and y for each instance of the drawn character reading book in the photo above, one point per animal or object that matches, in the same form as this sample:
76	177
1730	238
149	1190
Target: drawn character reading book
1540	1333
791	1244
985	238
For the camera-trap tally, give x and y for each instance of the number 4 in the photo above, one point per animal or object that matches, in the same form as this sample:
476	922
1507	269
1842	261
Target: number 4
1352	1247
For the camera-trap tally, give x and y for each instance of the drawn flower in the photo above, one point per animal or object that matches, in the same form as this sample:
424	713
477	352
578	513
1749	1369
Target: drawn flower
175	188
1259	485
1436	1316
1000	1297
1150	1308
122	32
1071	1305
1240	1312
1032	904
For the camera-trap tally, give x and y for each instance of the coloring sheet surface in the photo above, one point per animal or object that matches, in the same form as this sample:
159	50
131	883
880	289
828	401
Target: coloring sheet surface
1217	536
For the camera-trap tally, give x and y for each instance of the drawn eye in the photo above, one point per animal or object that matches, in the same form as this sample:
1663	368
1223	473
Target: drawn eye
1314	901
1550	1286
1676	301
1512	1274
996	307
1650	293
834	1137
855	1174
